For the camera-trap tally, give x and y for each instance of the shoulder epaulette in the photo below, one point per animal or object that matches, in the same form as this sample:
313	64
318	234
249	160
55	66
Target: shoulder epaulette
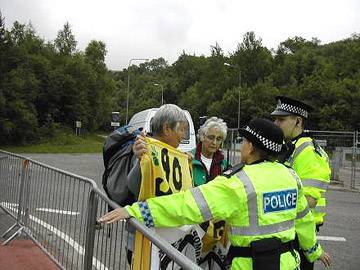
286	165
233	170
317	147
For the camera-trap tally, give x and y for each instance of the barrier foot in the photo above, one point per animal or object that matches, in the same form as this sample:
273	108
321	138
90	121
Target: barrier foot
5	233
18	232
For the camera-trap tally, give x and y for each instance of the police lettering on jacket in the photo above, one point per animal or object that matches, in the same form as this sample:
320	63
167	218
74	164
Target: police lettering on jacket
279	200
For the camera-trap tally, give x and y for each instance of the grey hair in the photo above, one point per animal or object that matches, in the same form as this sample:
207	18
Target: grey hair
212	122
169	113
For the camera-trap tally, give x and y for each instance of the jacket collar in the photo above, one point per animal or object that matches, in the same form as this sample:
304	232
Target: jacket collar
295	139
258	161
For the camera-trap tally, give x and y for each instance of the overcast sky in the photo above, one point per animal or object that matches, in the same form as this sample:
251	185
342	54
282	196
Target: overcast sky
164	28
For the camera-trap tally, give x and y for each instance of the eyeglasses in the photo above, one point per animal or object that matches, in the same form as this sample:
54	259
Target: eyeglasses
213	138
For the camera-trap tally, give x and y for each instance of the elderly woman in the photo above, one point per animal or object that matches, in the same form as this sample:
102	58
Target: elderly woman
208	160
169	125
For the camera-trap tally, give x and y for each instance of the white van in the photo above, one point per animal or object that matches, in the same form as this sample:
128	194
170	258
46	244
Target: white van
142	120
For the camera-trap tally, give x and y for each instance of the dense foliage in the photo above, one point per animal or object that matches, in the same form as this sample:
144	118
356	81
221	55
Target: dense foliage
48	85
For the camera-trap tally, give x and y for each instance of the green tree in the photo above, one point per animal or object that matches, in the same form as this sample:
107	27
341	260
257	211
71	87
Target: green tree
95	53
65	41
254	60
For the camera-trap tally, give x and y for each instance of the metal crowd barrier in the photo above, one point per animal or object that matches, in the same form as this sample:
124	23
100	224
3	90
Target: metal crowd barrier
58	211
343	148
232	146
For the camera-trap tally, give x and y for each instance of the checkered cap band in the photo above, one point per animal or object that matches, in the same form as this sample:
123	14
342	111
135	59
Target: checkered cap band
292	109
146	214
273	146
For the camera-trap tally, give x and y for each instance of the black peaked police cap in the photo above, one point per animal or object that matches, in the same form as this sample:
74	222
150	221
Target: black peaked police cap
289	106
264	134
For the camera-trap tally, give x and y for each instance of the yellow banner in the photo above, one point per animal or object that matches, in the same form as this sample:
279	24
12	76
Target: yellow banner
164	170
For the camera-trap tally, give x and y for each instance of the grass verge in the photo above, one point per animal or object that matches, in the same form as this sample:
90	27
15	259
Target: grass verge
62	143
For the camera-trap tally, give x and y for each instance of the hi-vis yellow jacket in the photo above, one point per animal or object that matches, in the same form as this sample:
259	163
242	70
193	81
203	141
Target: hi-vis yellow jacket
311	163
262	200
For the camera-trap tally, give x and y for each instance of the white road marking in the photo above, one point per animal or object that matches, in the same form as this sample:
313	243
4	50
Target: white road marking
78	248
331	238
57	211
9	204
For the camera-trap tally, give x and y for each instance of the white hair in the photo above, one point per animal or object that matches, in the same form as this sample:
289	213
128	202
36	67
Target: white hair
167	113
210	123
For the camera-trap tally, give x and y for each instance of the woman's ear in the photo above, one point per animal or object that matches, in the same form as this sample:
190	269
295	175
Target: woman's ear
251	147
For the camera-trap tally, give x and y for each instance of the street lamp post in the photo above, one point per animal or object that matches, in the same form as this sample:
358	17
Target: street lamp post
236	67
162	92
128	85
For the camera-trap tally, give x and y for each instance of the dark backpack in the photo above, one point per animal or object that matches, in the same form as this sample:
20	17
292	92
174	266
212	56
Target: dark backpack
118	159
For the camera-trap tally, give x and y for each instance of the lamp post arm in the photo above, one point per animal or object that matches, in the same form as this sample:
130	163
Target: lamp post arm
238	122
239	103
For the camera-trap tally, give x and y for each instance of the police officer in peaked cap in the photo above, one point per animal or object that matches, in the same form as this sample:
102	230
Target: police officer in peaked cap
305	156
290	115
261	201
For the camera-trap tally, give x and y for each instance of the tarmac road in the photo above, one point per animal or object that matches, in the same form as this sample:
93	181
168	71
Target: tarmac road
87	165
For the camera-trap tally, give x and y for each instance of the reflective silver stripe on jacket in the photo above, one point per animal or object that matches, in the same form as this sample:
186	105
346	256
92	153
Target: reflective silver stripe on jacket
303	213
296	177
298	151
254	228
315	183
262	229
201	203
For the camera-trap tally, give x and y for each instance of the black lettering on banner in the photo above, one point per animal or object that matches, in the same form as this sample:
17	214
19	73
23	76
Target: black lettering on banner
177	167
158	191
197	245
165	162
191	239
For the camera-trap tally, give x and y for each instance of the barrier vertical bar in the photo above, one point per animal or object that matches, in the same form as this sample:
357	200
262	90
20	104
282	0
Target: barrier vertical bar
234	147
231	147
356	156
20	206
90	229
27	188
353	161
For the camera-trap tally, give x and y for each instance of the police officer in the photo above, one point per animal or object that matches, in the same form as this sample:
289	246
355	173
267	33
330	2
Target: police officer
261	200
305	156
